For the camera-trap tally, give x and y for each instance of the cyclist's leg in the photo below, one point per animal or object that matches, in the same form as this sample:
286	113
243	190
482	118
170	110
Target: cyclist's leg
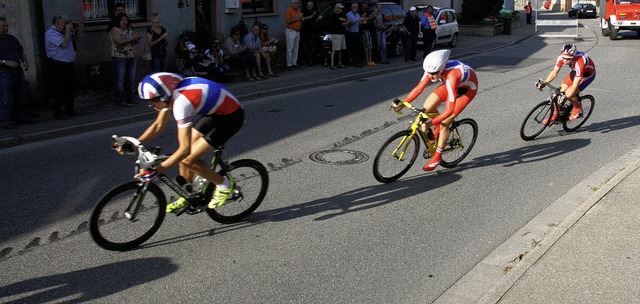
184	169
461	103
214	132
433	101
217	129
575	101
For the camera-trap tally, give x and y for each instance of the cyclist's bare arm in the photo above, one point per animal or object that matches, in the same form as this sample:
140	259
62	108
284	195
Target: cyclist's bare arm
552	75
417	90
157	127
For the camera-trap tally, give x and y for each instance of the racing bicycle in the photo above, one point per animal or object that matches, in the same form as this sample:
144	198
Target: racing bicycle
539	117
131	213
400	151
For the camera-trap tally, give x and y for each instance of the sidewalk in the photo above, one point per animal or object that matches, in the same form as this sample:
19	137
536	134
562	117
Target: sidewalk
593	256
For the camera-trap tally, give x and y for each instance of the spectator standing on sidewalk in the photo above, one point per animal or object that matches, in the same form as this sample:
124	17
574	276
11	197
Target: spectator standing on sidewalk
13	91
354	42
124	60
336	26
60	44
367	32
429	26
293	22
309	14
528	10
157	41
412	24
381	35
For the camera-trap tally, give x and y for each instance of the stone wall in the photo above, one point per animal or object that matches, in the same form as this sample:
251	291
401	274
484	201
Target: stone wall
480	30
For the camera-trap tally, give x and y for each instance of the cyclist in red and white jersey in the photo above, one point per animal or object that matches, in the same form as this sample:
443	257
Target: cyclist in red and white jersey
583	72
220	117
459	85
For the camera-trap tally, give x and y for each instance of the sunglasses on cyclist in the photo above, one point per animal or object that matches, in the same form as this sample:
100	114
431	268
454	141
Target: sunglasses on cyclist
567	58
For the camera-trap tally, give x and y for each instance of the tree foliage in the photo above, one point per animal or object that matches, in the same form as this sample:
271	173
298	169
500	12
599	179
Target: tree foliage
476	10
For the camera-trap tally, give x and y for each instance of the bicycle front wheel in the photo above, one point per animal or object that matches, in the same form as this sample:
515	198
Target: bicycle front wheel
535	123
127	216
251	184
396	156
462	138
587	102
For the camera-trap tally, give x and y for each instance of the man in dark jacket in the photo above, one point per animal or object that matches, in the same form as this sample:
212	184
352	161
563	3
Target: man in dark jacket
412	24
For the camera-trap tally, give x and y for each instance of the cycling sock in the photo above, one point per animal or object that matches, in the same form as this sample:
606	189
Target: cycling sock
438	150
226	184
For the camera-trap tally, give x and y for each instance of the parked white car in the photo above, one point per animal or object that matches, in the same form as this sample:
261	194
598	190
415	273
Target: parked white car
447	30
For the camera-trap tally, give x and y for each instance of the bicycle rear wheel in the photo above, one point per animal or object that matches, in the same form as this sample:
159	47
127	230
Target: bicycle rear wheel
396	156
462	138
251	184
587	102
111	225
533	125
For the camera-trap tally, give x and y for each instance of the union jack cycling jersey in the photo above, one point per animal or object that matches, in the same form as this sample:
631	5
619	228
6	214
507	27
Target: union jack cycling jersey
457	75
198	96
582	65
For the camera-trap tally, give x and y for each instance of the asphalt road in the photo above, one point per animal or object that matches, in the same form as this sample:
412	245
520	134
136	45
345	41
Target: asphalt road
326	233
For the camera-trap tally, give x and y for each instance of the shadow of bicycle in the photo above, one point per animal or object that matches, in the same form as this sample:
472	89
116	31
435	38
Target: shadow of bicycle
612	125
87	284
524	155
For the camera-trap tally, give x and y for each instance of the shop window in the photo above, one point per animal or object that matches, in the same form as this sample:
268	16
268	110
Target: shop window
101	11
250	7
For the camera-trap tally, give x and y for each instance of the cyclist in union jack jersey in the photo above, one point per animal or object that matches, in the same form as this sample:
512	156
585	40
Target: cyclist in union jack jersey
220	117
459	85
583	72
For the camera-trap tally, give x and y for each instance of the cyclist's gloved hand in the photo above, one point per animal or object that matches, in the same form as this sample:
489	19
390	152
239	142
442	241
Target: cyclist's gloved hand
124	149
147	175
397	105
540	85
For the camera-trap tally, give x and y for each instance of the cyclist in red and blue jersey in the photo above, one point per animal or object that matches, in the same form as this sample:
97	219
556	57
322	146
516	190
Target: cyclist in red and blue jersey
583	72
220	117
459	85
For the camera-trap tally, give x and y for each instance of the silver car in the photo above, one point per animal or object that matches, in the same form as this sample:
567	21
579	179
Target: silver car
447	30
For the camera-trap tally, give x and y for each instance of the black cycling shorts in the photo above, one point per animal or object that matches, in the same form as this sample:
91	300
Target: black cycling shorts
217	129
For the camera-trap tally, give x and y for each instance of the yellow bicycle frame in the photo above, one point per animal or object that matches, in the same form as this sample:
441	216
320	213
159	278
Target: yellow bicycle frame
415	128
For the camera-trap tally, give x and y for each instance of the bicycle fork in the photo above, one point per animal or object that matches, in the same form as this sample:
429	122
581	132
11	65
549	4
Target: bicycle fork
131	213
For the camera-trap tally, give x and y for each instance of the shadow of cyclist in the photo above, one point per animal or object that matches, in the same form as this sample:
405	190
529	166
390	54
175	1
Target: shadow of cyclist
613	124
524	155
87	284
360	199
356	200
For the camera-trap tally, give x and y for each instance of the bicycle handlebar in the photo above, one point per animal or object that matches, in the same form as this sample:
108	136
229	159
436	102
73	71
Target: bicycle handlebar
552	87
146	159
397	101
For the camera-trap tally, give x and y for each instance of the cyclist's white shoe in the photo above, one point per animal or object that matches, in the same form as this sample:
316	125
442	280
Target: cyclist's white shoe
220	196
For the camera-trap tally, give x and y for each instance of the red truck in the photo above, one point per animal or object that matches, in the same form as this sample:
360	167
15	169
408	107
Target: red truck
616	15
